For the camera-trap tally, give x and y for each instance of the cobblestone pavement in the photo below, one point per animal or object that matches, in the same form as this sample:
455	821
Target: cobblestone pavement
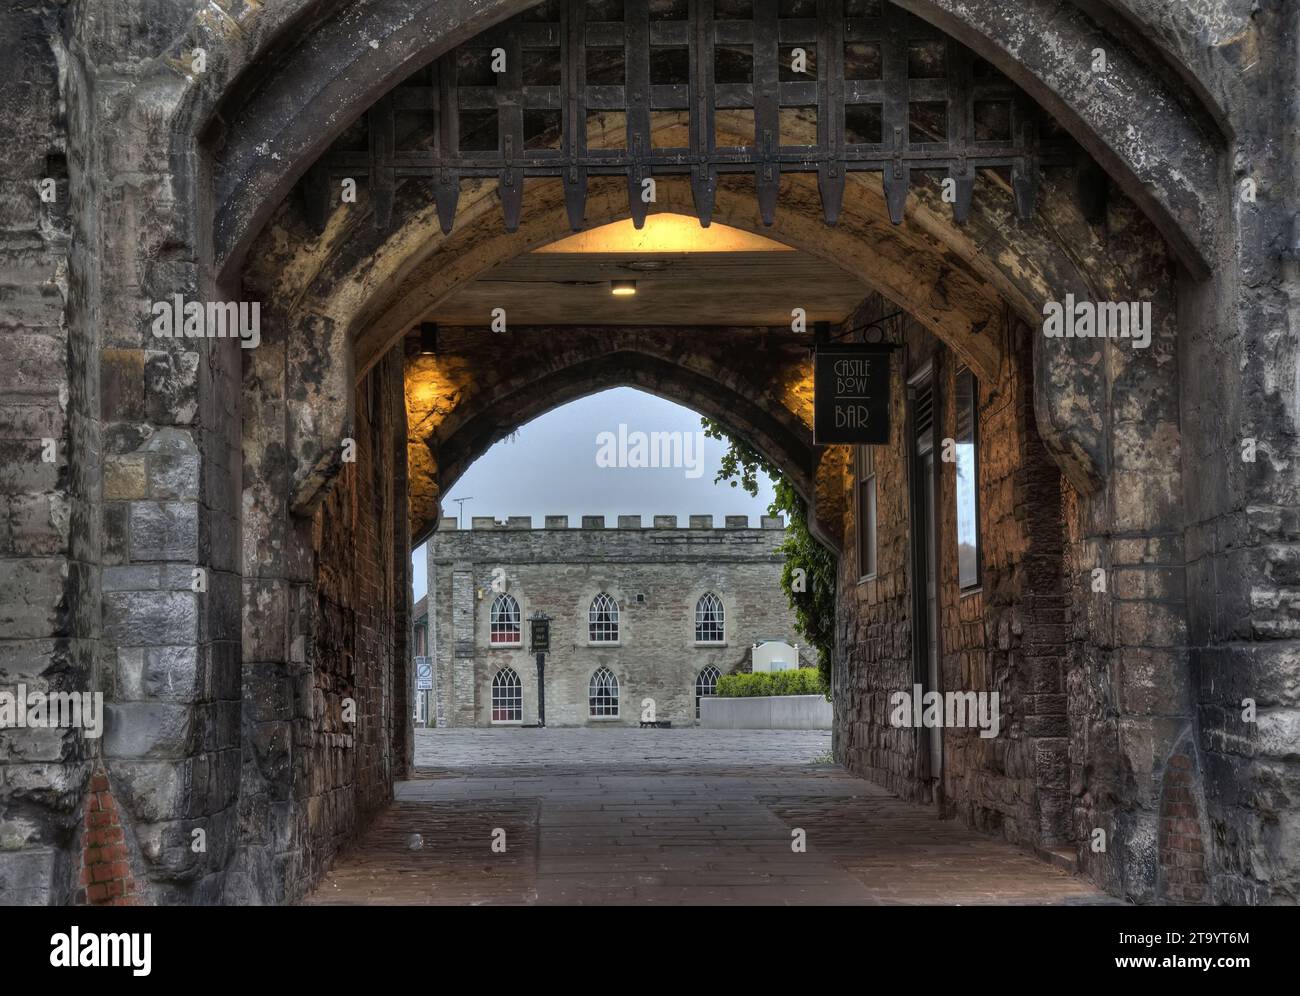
684	816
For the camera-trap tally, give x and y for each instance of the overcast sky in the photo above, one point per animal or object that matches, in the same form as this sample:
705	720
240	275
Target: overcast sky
551	468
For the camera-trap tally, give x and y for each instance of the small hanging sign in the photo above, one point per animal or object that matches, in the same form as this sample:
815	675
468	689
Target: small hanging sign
539	634
851	392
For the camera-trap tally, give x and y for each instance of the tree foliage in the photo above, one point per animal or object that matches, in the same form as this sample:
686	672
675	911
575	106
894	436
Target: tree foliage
814	606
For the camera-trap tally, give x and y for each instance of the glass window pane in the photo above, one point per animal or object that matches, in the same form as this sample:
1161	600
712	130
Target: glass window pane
968	541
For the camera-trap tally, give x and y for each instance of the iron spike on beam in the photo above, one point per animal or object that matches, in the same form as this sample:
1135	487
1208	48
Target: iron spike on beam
446	195
383	191
830	183
769	189
704	185
896	184
1025	176
575	196
963	177
636	202
510	185
1024	187
897	178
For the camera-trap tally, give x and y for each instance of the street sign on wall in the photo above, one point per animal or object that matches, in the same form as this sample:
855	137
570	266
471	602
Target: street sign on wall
851	394
423	674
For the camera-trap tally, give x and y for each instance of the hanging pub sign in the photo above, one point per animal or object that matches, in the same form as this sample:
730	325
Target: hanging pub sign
851	394
539	634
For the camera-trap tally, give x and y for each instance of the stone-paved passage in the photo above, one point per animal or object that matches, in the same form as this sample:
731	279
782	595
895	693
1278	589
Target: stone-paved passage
668	816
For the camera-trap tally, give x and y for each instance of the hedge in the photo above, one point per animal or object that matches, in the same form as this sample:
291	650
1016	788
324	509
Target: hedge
803	681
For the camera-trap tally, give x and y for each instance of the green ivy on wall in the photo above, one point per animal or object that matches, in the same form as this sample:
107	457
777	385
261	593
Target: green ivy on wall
814	606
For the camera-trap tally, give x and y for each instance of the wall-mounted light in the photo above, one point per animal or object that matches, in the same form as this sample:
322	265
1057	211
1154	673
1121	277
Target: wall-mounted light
622	288
428	338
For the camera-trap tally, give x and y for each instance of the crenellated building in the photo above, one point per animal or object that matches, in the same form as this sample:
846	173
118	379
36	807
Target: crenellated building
644	618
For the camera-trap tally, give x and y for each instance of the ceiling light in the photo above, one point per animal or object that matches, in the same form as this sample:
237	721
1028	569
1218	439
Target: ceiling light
428	338
622	288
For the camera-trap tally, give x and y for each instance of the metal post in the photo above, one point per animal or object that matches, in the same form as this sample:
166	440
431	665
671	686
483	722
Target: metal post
541	690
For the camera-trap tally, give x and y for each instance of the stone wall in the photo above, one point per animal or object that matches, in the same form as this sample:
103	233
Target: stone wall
326	687
1008	635
656	574
345	767
49	468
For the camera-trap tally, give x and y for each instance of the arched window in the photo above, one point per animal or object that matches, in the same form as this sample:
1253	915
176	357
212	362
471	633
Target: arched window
708	619
505	621
602	620
706	683
602	694
507	697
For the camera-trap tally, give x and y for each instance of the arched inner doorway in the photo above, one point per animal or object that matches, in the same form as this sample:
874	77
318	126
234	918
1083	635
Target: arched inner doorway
341	299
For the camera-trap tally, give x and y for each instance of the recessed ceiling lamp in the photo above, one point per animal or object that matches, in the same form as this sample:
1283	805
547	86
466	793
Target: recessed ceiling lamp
622	288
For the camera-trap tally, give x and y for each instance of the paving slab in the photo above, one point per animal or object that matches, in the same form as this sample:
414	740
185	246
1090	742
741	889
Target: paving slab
668	817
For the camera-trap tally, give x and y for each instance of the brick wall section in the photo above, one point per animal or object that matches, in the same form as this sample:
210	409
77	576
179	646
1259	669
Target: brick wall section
1182	846
106	878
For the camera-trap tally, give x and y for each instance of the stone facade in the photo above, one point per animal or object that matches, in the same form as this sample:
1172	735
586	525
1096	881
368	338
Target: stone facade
656	574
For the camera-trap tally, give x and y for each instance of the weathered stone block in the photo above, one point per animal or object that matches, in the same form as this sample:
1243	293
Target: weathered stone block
171	387
37	525
147	730
173	476
145	618
165	531
124	478
121	375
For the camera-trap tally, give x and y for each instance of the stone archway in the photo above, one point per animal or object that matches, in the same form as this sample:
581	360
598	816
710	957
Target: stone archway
1176	524
345	297
769	405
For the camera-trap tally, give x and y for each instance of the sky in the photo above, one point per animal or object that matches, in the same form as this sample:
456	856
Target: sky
553	466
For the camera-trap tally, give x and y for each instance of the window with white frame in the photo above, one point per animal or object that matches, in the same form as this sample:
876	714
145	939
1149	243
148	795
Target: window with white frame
706	683
602	694
866	508
602	620
708	619
507	697
504	619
